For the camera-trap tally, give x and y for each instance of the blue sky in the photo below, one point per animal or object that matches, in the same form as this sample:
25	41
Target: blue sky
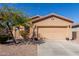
67	10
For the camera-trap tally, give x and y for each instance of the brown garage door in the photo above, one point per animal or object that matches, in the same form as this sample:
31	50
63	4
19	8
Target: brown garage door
54	33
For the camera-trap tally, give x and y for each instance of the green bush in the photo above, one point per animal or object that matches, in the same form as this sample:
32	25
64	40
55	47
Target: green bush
24	34
3	38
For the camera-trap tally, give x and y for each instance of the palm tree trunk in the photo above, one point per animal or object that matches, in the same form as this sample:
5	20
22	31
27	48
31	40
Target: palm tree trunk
10	30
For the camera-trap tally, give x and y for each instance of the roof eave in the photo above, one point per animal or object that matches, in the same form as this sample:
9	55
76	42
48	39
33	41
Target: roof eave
34	21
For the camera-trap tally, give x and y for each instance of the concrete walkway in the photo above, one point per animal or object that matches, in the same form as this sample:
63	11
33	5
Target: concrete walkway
58	48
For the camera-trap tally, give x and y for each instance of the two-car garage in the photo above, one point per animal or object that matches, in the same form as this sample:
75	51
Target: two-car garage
52	32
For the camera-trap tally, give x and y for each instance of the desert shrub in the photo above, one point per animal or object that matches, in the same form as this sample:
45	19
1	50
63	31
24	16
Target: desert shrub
24	34
3	38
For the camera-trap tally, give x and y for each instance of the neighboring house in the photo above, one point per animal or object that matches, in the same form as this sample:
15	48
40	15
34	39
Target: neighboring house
52	27
75	32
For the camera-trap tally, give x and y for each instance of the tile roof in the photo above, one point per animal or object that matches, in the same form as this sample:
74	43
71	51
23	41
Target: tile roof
38	18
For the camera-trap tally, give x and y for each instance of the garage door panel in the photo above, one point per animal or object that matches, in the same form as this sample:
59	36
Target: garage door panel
52	33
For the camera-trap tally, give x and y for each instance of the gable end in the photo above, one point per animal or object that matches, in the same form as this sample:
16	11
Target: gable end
49	16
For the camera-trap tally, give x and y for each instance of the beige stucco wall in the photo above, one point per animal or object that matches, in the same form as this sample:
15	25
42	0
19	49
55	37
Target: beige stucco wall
77	37
16	33
53	21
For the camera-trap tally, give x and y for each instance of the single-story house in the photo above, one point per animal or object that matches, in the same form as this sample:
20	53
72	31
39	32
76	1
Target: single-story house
52	27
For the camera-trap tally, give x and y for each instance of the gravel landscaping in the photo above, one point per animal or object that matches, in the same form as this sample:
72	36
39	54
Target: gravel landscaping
18	50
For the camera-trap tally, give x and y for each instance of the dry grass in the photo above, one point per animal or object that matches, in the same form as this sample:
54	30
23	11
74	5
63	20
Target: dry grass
19	50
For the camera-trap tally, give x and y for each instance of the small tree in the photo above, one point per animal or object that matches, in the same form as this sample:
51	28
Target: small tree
12	17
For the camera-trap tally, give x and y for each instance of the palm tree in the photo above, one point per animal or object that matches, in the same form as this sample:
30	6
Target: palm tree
12	17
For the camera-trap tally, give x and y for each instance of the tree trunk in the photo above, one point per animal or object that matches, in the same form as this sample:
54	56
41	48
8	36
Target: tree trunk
10	30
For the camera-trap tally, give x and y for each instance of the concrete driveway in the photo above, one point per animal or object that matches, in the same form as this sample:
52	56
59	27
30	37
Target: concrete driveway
58	48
